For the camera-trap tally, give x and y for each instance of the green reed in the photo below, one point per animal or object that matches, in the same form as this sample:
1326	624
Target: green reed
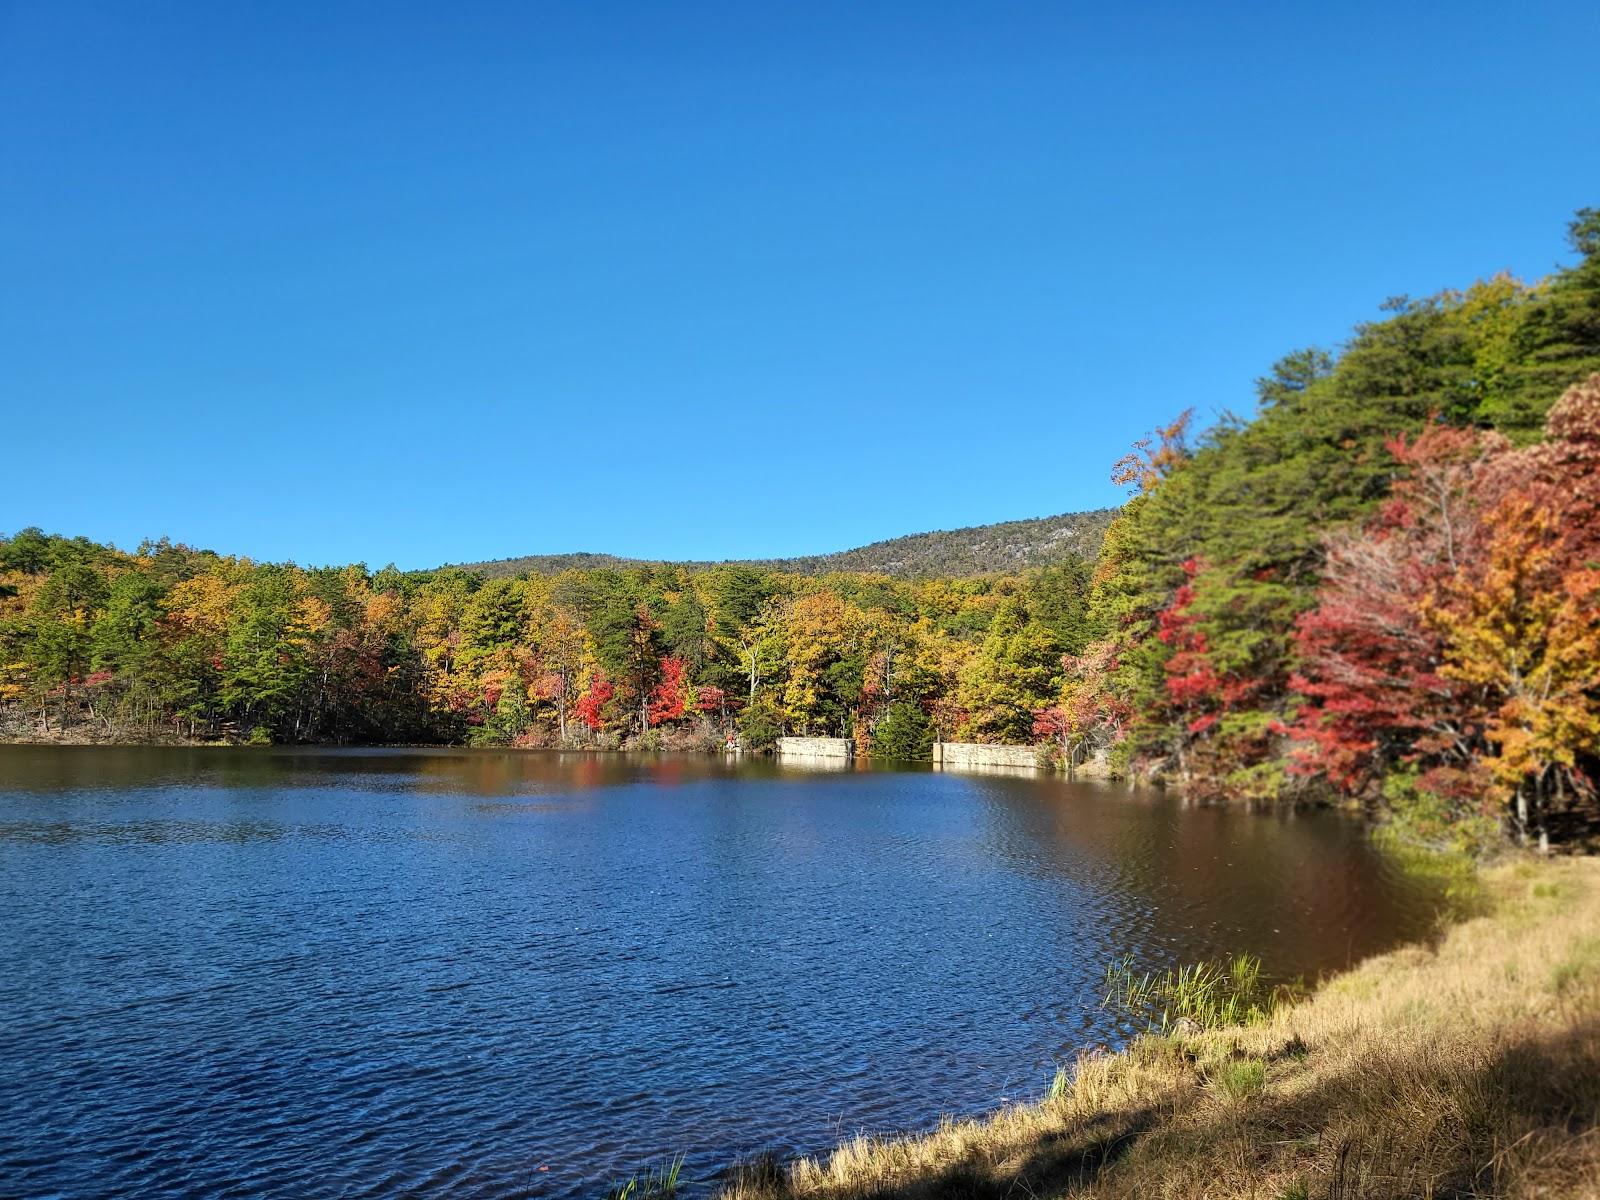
1209	994
658	1183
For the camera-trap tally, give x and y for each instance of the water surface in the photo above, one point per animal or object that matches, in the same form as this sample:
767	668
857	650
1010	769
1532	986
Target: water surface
451	973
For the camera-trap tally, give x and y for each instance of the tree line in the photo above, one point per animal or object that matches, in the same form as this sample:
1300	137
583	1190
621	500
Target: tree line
1382	585
168	639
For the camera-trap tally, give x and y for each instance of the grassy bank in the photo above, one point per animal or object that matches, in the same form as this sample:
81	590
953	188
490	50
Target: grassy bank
1466	1068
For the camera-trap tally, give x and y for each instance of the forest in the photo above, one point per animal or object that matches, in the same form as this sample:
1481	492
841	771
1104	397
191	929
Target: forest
1382	586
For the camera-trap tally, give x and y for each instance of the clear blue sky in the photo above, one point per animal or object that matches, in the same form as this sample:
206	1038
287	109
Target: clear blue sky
443	282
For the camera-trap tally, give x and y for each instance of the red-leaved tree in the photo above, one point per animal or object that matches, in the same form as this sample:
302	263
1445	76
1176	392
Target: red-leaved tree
590	707
669	699
1370	659
1456	634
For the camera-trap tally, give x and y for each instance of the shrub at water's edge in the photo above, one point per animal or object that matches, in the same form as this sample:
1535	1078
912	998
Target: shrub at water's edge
1468	1068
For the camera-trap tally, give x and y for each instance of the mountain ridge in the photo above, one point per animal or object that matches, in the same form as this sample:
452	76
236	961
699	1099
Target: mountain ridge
971	550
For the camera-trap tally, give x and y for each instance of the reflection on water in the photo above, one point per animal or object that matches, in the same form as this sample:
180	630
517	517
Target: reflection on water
305	973
813	763
977	768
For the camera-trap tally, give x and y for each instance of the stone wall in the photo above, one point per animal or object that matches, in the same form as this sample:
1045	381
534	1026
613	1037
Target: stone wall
814	747
959	755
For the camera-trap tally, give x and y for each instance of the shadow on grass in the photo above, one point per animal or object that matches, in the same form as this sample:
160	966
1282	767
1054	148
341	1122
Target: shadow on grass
1391	1125
1056	1163
1526	1121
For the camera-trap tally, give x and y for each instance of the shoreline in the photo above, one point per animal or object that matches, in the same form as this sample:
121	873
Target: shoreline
74	741
1468	1066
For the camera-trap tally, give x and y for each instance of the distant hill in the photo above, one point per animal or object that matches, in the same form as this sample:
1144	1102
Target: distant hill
978	550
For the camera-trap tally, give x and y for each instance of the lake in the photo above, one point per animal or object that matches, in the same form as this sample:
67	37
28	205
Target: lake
476	973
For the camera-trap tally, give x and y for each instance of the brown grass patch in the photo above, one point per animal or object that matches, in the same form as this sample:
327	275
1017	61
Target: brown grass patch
1467	1069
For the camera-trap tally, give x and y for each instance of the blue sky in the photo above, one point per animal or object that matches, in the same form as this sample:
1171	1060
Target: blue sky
425	283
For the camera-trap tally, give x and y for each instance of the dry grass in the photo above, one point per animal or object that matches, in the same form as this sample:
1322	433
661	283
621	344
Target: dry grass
1471	1068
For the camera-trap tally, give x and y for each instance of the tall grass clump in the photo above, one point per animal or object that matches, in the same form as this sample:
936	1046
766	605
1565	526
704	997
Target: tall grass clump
1060	1085
658	1183
1240	1078
1207	994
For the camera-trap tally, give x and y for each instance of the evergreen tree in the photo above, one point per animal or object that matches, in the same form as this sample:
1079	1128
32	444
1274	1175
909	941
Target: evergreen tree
1558	341
905	734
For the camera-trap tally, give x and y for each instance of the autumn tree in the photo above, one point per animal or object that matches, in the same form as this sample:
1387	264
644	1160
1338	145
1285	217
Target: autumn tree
672	696
824	650
1369	660
624	627
265	658
1090	717
1013	673
562	647
1524	631
1456	633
